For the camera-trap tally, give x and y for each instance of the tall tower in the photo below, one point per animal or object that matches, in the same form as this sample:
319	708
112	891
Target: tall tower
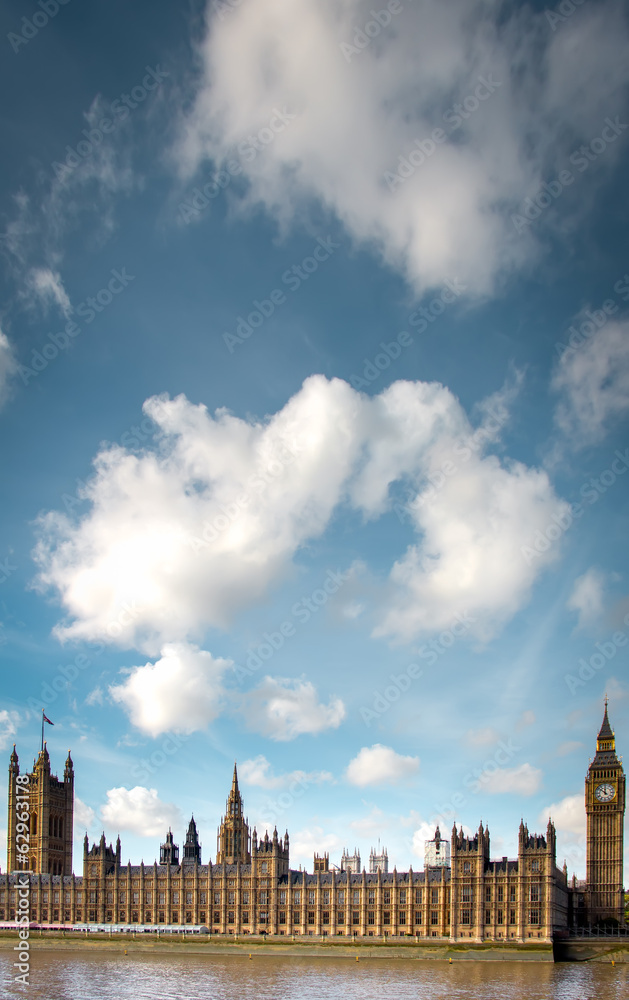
605	810
192	847
233	842
50	807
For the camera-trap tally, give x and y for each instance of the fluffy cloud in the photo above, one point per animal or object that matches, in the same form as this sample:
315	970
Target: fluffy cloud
568	815
450	214
593	382
180	692
7	365
139	810
83	817
258	772
378	765
185	537
587	597
522	780
282	708
304	843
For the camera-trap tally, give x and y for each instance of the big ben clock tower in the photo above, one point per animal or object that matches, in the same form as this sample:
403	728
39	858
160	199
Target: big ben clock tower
605	809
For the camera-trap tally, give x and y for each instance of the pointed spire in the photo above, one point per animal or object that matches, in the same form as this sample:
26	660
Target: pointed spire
235	779
606	732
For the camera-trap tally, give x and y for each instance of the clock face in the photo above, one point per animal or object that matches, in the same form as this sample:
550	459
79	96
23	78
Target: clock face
605	793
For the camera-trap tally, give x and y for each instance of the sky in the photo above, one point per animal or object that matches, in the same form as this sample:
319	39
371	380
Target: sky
314	386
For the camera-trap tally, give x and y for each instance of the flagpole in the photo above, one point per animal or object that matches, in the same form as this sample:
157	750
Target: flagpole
42	730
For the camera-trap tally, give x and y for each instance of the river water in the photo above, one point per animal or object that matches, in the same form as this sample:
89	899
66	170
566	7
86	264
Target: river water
81	976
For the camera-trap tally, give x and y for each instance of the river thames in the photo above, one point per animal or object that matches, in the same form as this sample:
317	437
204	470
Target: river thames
80	976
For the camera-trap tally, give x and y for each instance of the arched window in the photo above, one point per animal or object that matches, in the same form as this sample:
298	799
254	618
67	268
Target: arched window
34	824
61	826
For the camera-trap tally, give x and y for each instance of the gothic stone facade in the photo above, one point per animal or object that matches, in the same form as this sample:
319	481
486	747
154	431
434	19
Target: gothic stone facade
252	889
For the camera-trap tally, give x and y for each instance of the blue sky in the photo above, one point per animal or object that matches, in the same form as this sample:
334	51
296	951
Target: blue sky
314	374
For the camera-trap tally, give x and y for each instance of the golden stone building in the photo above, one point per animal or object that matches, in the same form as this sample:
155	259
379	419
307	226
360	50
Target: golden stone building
251	888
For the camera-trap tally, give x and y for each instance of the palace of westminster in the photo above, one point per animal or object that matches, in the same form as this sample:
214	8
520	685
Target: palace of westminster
251	889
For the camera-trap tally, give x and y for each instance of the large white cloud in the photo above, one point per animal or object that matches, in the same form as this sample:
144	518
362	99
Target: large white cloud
356	114
283	708
180	692
378	765
568	815
181	539
139	810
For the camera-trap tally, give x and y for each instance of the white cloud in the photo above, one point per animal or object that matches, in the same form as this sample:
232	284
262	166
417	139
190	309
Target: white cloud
83	817
522	780
570	746
378	765
9	723
568	815
139	810
587	597
184	538
283	708
593	383
46	286
258	772
180	692
354	121
8	366
305	843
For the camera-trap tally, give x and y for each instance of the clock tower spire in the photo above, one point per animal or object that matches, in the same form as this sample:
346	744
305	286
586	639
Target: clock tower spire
605	810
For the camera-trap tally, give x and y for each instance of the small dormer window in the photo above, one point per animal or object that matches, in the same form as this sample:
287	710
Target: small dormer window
264	868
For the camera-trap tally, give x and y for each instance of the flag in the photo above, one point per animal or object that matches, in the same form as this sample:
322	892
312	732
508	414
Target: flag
46	719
